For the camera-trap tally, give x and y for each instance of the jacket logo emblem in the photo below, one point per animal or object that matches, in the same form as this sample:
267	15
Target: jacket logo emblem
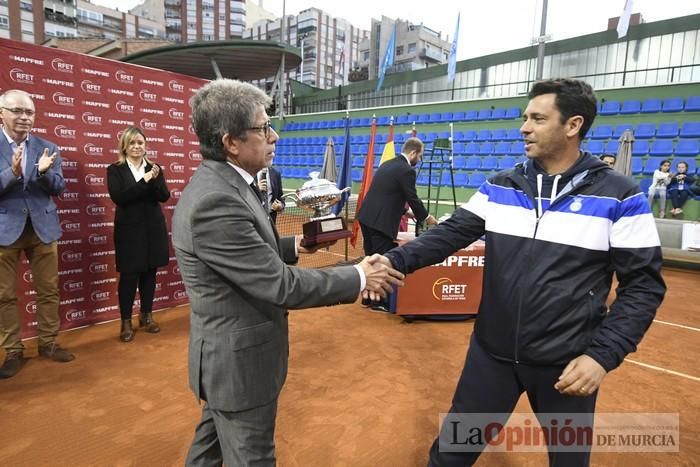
576	205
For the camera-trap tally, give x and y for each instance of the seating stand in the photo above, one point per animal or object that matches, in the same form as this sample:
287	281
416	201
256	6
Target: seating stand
437	161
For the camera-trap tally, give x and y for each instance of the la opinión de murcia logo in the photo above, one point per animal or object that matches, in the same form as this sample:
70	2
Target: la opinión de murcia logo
124	107
64	132
147	124
92	119
175	86
90	87
61	99
94	180
176	140
20	76
59	65
124	77
148	96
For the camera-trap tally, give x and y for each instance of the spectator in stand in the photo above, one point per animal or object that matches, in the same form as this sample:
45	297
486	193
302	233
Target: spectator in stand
608	159
679	188
659	182
137	186
271	178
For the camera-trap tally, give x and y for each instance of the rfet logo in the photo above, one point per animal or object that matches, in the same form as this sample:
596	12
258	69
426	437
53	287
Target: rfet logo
175	194
445	290
73	315
148	96
31	307
97	239
68	196
177	168
20	76
124	77
175	86
195	156
92	150
176	114
72	256
124	107
64	132
177	141
88	86
95	210
70	226
92	119
99	296
68	165
73	286
59	65
179	295
152	154
176	269
147	124
98	268
27	277
94	180
61	99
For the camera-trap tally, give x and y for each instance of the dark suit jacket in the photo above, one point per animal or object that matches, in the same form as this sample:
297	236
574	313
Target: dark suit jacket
276	190
32	196
233	265
393	185
140	234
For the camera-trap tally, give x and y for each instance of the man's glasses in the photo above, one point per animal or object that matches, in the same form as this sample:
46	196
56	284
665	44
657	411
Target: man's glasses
265	128
18	111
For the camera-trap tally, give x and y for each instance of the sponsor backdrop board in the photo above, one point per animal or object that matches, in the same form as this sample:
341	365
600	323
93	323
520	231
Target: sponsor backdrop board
83	103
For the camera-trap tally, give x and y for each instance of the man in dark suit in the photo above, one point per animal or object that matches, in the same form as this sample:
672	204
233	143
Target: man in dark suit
30	174
232	262
272	178
393	186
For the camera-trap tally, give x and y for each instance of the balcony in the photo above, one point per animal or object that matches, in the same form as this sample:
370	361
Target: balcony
434	55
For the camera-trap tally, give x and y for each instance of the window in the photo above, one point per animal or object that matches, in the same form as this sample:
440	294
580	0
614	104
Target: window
399	50
411	47
365	55
4	22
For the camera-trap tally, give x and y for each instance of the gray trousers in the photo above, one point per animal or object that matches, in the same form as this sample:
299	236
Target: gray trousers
236	439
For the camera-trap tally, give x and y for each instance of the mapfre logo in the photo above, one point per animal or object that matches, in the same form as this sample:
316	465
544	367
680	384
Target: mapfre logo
75	315
98	268
92	119
68	196
194	156
59	65
177	141
445	290
176	114
99	296
27	277
70	226
177	168
148	96
64	132
31	307
95	210
71	256
175	86
91	150
147	124
190	128
124	77
175	194
124	107
20	76
94	180
73	286
97	239
61	99
179	295
90	87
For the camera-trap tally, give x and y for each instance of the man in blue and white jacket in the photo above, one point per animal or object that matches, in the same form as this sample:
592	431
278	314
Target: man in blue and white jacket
557	227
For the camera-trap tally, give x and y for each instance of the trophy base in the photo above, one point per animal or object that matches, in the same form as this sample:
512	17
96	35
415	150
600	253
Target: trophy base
324	231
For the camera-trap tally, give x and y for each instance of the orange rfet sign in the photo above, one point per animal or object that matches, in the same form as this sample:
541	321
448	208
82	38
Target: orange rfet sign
452	287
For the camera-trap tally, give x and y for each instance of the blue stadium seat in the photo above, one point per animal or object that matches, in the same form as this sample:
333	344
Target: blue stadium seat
667	130
610	108
489	163
513	112
601	132
354	122
652	164
692	104
422	179
687	148
435	117
473	163
484	114
458	136
644	184
358	161
640	147
594	147
365	121
381	138
476	180
612	146
423	118
661	147
499	134
459	116
651	106
486	148
631	107
517	148
498	114
471	115
690	130
619	129
383	120
502	148
356	175
461	179
672	104
399	138
483	135
506	162
458	148
459	162
637	165
470	135
446	117
471	148
402	120
514	134
645	130
446	179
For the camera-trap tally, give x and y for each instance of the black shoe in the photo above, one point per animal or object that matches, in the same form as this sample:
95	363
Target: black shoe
380	307
366	303
55	353
12	364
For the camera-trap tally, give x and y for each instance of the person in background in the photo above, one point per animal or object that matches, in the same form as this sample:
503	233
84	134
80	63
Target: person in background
659	184
272	178
679	189
137	186
608	159
30	176
558	226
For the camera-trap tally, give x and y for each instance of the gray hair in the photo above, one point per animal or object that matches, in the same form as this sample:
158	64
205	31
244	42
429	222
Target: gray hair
224	106
4	95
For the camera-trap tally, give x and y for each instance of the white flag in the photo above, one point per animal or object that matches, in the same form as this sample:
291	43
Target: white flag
624	23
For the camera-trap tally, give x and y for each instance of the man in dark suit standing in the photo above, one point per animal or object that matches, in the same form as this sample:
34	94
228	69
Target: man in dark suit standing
393	186
273	178
30	174
232	262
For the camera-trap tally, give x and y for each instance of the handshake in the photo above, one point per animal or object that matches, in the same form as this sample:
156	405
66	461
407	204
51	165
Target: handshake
380	276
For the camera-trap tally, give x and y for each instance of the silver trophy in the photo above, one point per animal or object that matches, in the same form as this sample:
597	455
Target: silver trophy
318	195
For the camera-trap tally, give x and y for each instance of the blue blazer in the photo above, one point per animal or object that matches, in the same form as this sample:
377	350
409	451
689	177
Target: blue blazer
31	196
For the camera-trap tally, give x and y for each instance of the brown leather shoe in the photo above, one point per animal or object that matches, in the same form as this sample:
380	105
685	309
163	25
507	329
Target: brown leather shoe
127	332
12	364
55	353
146	322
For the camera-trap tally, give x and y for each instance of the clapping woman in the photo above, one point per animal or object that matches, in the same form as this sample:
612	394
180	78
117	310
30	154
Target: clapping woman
137	187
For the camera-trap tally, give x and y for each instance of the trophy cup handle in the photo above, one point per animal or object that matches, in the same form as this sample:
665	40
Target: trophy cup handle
345	190
294	196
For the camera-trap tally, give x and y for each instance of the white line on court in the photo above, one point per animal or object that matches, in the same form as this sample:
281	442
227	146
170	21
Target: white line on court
690	328
664	370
